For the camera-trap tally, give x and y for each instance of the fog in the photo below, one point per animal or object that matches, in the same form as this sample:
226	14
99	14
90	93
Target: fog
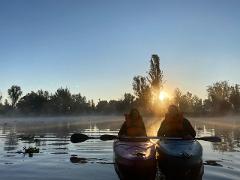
77	123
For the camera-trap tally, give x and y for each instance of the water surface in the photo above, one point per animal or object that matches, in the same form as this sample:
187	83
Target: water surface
59	159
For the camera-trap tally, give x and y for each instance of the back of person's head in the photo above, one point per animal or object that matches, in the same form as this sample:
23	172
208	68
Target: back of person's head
134	113
173	110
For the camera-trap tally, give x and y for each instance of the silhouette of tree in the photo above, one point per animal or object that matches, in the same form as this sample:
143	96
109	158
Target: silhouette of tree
34	103
14	94
80	104
0	97
1	105
61	101
207	106
155	77
92	105
234	98
185	104
128	101
177	96
142	91
197	105
219	94
188	103
6	108
102	106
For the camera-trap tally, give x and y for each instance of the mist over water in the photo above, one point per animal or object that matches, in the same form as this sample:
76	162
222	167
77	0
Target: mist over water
58	158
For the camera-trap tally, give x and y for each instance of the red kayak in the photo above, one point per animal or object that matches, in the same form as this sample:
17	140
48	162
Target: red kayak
135	160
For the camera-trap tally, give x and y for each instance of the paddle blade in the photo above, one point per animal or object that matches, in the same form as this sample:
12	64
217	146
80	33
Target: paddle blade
210	138
107	137
76	138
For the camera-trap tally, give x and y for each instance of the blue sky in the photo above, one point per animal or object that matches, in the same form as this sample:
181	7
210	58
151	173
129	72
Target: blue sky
96	47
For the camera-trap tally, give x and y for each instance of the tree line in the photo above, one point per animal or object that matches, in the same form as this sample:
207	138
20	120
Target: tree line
222	98
62	102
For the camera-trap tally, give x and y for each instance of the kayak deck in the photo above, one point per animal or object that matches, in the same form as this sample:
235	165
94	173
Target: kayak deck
180	157
135	160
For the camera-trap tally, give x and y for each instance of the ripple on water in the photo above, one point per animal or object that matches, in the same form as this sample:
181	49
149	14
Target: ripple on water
61	160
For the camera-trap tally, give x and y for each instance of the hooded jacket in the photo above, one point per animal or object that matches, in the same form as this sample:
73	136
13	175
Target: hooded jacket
176	126
132	127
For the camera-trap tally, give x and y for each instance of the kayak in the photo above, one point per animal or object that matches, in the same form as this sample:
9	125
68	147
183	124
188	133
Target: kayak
135	160
180	158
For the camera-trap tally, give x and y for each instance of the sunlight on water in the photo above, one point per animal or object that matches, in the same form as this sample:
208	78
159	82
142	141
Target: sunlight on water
58	158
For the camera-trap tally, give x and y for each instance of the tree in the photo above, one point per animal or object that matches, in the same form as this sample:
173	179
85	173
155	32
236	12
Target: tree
128	99
188	102
147	88
102	106
207	106
80	104
125	104
234	97
6	108
197	104
1	106
14	94
155	77
92	105
142	91
177	96
218	95
34	103
0	97
61	102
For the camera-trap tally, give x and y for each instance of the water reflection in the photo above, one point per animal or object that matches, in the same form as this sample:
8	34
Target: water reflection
212	163
11	141
52	139
40	133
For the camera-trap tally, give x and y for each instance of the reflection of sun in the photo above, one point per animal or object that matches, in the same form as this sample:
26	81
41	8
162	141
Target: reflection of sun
163	95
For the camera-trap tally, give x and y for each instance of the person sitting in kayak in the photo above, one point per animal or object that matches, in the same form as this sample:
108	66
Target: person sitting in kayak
133	125
175	125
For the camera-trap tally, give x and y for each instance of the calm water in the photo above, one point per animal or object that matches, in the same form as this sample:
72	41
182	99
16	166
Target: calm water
60	159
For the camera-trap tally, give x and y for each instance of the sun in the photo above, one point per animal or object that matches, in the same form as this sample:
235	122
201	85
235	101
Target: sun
163	96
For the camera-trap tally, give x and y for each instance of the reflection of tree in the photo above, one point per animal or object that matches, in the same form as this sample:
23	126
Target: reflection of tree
230	136
11	142
230	140
203	131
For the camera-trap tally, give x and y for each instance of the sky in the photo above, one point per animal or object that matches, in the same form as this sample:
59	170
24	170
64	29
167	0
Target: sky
97	47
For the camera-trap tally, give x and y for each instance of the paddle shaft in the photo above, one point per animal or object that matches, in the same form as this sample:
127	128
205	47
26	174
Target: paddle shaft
75	138
208	138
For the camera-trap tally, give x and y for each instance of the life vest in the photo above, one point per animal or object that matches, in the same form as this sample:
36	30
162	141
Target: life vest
135	127
174	124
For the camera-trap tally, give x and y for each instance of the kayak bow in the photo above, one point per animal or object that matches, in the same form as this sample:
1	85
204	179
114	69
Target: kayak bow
135	160
180	158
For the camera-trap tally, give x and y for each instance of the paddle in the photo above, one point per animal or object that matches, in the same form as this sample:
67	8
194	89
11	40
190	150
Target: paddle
107	137
76	138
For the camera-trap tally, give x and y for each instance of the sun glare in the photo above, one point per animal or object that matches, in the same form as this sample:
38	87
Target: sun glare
163	95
